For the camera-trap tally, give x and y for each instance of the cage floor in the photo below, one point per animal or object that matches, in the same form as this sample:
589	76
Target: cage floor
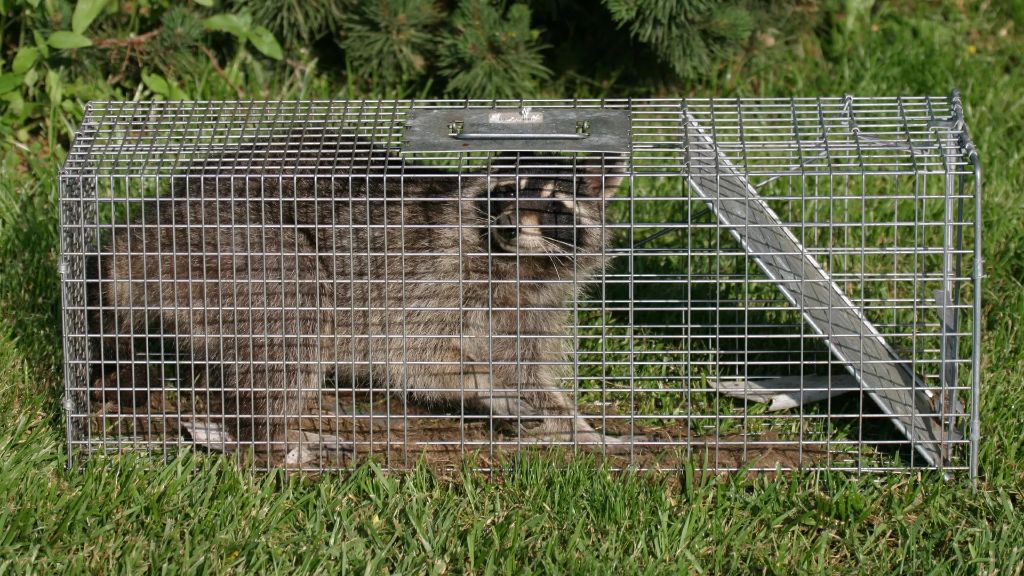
340	430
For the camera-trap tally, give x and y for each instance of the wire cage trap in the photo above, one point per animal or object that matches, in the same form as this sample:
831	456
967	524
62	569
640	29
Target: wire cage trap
755	284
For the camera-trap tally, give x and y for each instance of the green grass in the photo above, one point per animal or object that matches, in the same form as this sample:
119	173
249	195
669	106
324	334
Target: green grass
202	514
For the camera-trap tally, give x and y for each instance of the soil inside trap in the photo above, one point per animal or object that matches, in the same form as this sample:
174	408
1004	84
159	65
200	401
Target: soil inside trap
340	429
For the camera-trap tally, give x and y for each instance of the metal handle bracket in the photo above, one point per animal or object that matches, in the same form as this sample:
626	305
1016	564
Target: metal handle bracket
517	129
457	130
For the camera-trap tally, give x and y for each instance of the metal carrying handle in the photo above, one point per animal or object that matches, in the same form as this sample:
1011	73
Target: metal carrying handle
457	130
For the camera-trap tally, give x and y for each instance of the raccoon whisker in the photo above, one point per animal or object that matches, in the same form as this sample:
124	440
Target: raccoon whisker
554	255
548	247
558	242
554	266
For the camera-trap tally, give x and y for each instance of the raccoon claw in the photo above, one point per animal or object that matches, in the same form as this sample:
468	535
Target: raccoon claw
619	444
313	448
297	457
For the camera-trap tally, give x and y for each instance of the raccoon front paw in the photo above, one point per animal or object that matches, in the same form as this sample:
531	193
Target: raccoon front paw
578	433
620	444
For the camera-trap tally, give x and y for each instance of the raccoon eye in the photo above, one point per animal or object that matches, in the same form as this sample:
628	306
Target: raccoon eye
503	192
493	201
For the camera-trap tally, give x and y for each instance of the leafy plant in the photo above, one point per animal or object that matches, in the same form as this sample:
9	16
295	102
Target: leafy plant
67	53
241	27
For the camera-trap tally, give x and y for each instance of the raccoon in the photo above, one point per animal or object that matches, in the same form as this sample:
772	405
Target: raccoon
449	289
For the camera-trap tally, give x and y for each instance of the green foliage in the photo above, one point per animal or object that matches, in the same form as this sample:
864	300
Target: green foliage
181	34
689	35
241	27
297	22
492	52
64	40
85	12
481	49
389	42
84	49
57	55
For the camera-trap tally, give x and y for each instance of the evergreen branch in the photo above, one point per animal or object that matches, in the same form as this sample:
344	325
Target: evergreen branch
688	35
492	52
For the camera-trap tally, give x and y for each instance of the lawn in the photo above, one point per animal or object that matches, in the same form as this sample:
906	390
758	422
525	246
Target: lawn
202	514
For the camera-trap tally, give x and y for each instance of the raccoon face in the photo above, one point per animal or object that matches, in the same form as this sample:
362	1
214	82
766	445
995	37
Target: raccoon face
546	215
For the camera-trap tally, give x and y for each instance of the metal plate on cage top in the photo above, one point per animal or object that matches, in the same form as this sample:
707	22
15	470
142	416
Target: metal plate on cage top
517	129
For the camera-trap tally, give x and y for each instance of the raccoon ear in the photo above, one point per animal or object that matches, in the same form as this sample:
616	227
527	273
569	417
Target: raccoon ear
481	186
603	176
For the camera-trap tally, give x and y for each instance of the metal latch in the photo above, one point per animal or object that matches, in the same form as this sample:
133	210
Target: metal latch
517	129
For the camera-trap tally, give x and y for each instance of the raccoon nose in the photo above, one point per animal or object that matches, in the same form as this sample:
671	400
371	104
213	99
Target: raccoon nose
507	226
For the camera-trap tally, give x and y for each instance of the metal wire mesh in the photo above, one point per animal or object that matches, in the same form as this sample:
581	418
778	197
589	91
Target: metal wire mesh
308	284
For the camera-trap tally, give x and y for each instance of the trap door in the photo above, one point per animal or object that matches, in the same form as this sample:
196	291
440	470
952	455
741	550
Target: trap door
850	336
